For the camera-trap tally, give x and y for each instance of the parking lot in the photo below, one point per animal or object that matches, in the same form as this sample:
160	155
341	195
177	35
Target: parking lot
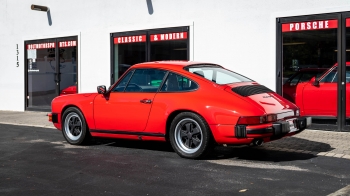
36	160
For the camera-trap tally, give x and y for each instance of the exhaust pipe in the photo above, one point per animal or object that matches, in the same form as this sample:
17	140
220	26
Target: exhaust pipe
258	142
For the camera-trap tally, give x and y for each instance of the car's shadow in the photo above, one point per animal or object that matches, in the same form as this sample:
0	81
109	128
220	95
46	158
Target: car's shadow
287	149
133	144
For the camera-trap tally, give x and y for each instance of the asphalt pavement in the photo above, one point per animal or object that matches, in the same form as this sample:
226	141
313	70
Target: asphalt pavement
38	161
315	142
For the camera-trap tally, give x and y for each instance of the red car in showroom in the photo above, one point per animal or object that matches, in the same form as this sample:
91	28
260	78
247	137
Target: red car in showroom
318	97
69	90
190	104
303	75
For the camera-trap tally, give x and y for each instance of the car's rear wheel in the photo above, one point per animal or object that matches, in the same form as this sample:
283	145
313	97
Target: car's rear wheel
190	135
74	127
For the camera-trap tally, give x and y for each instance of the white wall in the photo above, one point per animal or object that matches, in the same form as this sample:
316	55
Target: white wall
239	35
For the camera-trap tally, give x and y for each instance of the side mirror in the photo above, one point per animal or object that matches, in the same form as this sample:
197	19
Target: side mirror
101	89
314	82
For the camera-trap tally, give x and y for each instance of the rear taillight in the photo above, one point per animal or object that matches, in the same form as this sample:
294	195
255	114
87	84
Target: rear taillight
297	113
271	118
255	120
251	120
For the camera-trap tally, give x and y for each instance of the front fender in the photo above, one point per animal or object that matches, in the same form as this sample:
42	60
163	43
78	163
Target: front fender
84	102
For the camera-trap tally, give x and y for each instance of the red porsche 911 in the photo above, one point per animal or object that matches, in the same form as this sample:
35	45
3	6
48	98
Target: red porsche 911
192	105
318	97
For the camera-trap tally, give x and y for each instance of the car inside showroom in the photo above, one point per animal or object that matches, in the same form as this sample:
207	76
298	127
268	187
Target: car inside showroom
298	49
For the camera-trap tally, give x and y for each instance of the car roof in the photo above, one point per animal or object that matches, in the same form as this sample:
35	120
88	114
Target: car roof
177	65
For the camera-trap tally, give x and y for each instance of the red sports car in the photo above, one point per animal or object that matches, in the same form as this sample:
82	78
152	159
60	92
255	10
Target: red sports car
190	104
318	97
303	75
69	90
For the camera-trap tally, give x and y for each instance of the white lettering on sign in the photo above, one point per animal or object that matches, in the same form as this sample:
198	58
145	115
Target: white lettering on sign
67	44
129	39
312	25
41	46
169	36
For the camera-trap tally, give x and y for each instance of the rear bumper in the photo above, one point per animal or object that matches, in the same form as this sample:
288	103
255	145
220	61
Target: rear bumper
241	134
283	127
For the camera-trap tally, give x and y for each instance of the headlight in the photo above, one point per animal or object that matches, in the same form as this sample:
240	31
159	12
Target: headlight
297	113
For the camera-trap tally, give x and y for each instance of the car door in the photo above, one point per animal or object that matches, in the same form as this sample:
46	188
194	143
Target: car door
347	105
128	105
321	99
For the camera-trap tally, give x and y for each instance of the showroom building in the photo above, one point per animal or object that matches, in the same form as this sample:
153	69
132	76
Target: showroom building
49	48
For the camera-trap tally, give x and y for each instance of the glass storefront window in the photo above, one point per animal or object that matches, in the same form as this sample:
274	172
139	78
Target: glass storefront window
309	53
169	46
128	50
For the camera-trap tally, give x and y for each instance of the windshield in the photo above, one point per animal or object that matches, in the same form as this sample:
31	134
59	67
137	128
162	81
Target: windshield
305	76
217	74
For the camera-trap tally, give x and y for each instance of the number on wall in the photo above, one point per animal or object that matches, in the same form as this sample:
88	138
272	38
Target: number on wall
17	64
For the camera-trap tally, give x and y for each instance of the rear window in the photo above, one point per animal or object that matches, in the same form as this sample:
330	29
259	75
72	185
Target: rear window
217	74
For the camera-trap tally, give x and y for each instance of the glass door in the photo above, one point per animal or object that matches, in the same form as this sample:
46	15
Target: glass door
41	75
51	70
346	69
67	69
309	67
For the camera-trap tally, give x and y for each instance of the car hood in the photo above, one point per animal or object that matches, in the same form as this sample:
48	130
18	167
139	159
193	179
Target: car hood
262	97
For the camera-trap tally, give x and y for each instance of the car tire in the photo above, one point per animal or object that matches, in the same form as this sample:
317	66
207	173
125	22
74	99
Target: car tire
190	136
74	127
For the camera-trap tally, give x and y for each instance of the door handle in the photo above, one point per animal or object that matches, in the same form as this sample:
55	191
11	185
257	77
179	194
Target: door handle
146	101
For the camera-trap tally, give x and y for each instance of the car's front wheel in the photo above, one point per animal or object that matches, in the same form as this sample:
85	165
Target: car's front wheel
190	135
74	127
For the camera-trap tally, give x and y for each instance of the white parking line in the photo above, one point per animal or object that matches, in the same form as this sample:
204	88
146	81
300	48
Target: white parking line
256	165
342	192
328	154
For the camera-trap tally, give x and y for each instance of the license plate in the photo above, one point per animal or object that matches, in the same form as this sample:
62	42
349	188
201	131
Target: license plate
292	126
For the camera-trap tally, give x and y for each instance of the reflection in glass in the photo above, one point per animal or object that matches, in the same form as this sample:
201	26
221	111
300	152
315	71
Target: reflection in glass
347	76
169	50
68	70
126	55
41	78
311	54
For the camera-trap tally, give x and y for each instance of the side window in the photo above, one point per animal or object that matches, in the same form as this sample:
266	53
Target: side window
295	80
121	85
331	77
347	74
178	83
145	80
306	77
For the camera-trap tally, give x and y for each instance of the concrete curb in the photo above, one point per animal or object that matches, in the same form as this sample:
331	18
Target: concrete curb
28	125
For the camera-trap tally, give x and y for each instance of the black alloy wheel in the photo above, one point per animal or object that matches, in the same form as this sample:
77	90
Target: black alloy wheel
190	135
74	126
